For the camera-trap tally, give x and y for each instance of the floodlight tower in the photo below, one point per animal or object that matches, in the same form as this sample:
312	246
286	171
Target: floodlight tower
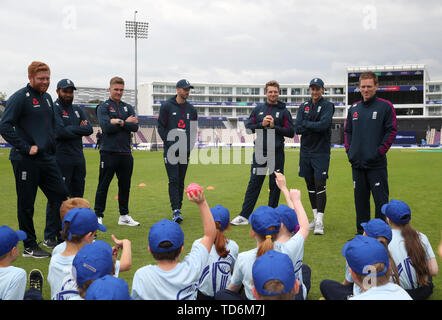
136	30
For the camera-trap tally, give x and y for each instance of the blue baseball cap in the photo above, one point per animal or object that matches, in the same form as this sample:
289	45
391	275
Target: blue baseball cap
184	84
108	288
82	221
362	252
288	217
397	211
264	218
273	265
65	83
317	82
9	239
165	230
221	215
93	261
377	228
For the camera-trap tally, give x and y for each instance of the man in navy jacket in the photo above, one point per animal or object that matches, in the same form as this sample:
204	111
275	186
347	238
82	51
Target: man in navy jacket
313	122
69	145
271	122
178	118
370	130
117	121
29	125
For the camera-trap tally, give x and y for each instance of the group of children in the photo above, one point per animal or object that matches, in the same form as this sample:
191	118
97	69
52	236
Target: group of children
389	261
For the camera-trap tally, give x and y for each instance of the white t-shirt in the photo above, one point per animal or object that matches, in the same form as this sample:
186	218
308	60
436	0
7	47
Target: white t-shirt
12	283
294	248
406	271
389	291
180	283
61	279
217	273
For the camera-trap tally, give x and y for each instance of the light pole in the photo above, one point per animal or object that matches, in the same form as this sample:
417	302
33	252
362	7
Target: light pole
136	30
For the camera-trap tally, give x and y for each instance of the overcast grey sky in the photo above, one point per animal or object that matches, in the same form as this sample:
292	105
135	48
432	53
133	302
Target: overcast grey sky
231	41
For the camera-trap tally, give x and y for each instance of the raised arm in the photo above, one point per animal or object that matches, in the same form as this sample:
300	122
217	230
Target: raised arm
206	216
304	227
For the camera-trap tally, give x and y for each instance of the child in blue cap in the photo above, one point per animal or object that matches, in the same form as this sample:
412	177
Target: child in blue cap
274	277
224	252
108	288
12	279
333	290
370	269
265	225
411	251
294	231
170	279
79	227
92	262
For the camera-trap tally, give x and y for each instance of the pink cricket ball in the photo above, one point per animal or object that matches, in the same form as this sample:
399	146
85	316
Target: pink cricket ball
193	188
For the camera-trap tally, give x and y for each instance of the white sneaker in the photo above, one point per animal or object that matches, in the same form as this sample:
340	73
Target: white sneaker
319	225
239	221
100	220
312	224
127	220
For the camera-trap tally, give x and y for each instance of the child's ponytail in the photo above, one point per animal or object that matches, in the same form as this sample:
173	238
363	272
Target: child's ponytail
220	241
416	253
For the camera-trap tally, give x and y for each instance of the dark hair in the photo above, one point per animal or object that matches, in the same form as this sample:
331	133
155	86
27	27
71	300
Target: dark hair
171	255
221	241
416	253
394	272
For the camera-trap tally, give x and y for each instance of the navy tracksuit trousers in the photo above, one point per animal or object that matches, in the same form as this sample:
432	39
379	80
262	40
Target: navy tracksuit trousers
256	181
29	175
366	181
120	164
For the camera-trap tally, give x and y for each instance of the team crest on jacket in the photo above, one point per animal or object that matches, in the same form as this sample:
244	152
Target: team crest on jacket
65	114
355	116
307	109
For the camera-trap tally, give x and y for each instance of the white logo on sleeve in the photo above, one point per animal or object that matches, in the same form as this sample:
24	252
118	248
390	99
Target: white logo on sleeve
375	114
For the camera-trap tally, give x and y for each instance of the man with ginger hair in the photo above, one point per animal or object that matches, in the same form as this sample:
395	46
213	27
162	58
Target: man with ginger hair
117	121
29	125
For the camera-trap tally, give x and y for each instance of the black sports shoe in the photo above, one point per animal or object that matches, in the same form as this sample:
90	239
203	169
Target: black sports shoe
36	280
177	216
50	243
35	252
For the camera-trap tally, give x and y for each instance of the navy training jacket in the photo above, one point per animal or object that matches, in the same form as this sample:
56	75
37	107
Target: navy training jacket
282	119
29	119
177	116
69	137
370	130
313	122
115	138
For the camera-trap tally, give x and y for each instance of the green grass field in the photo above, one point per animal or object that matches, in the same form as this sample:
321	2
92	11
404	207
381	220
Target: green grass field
414	177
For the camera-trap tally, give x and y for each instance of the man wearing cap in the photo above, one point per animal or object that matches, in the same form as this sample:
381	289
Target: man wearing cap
370	130
29	125
69	147
177	127
313	123
117	121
